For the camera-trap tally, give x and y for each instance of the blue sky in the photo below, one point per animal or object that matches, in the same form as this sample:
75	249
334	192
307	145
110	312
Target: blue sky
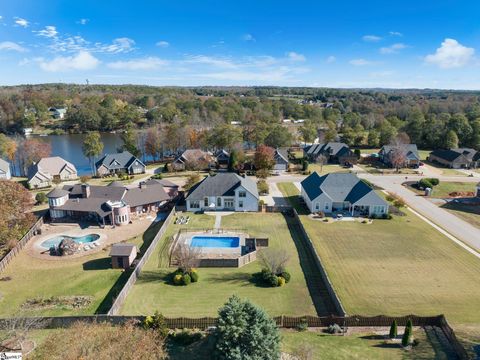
395	44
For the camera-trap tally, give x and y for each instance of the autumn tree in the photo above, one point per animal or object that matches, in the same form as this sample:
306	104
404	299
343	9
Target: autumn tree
129	140
92	147
264	158
15	204
31	151
153	143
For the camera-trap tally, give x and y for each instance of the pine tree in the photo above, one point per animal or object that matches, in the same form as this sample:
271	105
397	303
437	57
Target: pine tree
393	330
246	332
407	334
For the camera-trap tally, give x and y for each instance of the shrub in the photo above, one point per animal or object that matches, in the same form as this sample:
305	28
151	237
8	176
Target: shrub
41	198
334	329
302	325
158	176
393	330
156	322
185	337
245	331
84	179
286	276
434	181
425	183
373	216
273	280
194	275
177	279
262	173
390	198
357	153
186	279
280	281
262	187
387	216
399	203
407	334
304	165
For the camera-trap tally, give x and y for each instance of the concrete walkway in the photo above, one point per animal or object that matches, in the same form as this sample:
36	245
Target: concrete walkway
218	217
218	221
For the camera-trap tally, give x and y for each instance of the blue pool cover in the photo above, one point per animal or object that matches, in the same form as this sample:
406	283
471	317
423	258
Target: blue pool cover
215	241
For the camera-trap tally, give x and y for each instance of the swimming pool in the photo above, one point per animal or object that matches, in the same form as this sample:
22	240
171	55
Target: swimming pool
215	241
53	242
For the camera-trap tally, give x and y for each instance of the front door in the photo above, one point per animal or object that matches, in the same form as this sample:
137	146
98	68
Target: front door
229	203
120	262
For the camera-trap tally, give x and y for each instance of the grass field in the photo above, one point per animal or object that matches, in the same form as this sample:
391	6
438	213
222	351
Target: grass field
216	285
444	170
469	213
443	189
88	275
325	169
397	267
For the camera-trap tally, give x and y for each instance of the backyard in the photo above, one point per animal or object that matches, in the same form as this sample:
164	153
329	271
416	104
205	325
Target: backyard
28	278
396	267
151	292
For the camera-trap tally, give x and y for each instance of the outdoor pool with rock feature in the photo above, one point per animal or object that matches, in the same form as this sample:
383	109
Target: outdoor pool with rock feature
55	241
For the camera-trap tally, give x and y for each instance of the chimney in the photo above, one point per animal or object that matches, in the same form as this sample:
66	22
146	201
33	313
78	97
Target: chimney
143	185
85	191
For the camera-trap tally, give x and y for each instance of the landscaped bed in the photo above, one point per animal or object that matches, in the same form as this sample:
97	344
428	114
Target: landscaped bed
397	267
153	292
83	285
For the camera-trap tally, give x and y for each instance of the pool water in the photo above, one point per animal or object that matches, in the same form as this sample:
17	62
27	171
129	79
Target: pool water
215	241
55	241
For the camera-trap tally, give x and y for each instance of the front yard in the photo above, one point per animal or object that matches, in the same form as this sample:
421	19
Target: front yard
397	267
91	276
216	285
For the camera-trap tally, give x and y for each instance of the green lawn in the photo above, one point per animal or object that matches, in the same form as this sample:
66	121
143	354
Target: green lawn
444	170
325	169
469	213
216	285
444	189
357	346
397	267
89	275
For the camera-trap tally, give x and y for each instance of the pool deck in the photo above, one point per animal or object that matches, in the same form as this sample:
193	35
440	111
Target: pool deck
212	252
108	236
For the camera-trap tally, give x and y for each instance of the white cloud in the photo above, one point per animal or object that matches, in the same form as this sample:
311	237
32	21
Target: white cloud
395	33
361	62
119	45
371	38
248	37
451	54
213	61
21	22
81	61
392	49
293	56
149	63
11	46
163	44
331	59
83	21
48	32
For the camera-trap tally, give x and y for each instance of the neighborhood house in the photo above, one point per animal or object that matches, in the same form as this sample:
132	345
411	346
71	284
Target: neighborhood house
5	172
123	162
400	156
44	172
332	152
194	159
114	204
456	158
224	191
281	160
341	192
222	158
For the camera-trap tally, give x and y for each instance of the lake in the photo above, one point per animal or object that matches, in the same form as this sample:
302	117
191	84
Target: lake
69	147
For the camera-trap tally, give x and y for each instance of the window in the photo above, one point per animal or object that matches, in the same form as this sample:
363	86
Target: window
240	204
194	204
317	206
219	202
205	202
326	206
242	194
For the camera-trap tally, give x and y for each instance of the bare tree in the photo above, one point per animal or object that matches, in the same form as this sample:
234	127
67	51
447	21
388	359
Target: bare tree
187	257
15	331
322	160
398	154
274	260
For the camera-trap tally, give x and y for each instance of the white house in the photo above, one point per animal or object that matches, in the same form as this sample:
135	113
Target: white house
5	172
341	192
224	191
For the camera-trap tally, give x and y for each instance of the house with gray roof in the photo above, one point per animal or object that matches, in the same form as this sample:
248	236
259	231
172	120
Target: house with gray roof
332	152
114	204
123	162
5	173
456	158
194	159
42	173
407	155
224	191
341	192
281	159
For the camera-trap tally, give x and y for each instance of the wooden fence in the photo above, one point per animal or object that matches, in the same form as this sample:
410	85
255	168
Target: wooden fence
21	244
323	272
282	322
122	295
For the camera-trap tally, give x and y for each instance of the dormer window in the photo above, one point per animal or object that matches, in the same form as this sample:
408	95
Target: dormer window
242	194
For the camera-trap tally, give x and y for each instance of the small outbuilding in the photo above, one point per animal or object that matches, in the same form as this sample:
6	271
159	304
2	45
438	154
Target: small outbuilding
123	255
